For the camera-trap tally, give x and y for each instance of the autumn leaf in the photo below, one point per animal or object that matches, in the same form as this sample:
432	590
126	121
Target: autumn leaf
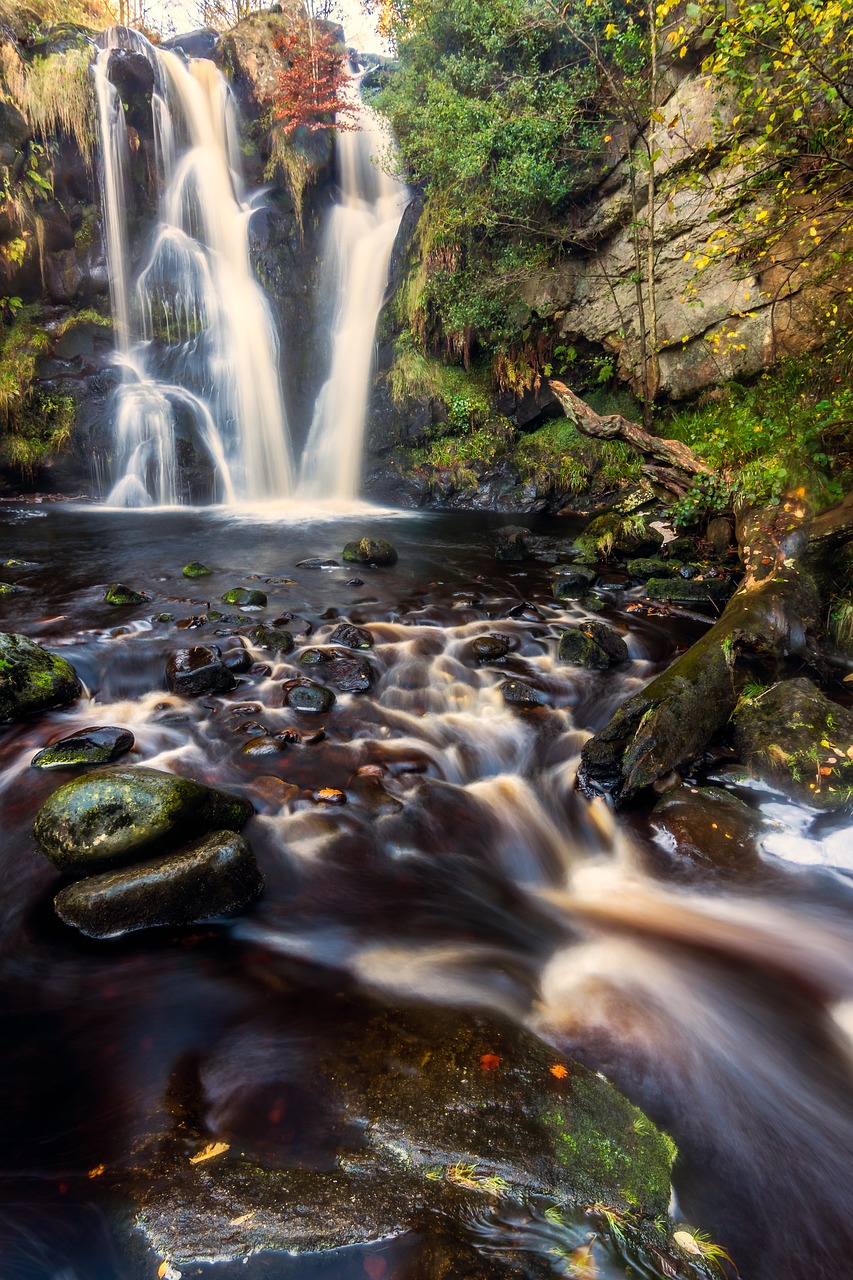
212	1149
558	1071
97	1171
489	1062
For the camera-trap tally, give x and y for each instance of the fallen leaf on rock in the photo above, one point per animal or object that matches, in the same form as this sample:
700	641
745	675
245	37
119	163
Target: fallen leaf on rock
558	1071
244	1217
212	1149
489	1062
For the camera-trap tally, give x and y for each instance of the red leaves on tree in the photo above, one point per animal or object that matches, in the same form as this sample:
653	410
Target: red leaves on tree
312	82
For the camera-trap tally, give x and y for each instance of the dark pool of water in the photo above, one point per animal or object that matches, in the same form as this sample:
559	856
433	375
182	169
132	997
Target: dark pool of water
720	1008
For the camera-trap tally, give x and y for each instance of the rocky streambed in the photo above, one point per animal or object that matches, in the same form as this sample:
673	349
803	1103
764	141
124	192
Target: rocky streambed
314	959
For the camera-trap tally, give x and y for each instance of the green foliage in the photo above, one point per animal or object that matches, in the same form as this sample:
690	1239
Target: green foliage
37	425
54	94
557	456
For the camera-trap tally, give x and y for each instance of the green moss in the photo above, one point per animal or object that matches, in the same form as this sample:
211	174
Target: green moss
557	456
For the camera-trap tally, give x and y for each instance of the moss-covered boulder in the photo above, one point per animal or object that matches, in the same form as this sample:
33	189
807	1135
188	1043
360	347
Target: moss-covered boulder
690	590
31	679
245	597
216	875
99	745
195	569
645	567
374	551
118	594
795	738
593	645
615	533
118	815
454	1114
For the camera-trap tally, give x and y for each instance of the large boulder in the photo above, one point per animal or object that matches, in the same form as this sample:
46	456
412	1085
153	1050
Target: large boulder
31	679
216	875
121	814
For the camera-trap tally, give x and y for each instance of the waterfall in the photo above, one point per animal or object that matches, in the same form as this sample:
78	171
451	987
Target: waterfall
195	336
359	239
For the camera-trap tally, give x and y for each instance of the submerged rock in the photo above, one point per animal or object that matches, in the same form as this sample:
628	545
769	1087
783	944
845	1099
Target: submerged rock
352	637
31	679
348	672
98	745
245	597
489	648
370	551
191	672
216	875
117	593
593	645
518	694
305	695
423	1113
707	827
195	569
116	815
792	736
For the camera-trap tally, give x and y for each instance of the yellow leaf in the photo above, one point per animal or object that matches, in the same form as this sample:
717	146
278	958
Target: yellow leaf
97	1171
610	31
212	1149
244	1217
682	51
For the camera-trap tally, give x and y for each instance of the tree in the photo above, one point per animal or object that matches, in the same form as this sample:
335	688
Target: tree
312	82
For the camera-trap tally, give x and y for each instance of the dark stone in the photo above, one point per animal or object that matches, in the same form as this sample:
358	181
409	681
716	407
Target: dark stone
510	544
593	645
217	875
720	533
572	584
793	737
710	828
98	745
11	589
266	744
31	679
349	673
195	569
237	658
190	672
489	648
274	638
690	591
687	571
518	694
317	562
374	551
352	637
313	657
245	597
611	582
201	43
651	567
305	695
118	593
116	815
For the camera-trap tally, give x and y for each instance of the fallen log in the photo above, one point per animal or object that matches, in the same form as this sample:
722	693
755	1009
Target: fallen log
771	618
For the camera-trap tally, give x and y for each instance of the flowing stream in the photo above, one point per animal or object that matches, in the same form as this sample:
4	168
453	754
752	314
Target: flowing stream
463	872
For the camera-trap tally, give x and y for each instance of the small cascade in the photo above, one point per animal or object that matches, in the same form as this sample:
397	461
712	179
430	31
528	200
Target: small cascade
359	239
200	395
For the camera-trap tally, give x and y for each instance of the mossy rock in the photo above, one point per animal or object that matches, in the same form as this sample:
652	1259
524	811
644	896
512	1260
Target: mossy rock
455	1114
245	597
31	679
593	645
352	637
645	567
11	589
214	876
690	590
305	695
374	551
275	638
121	814
195	569
793	737
572	583
98	745
118	594
615	534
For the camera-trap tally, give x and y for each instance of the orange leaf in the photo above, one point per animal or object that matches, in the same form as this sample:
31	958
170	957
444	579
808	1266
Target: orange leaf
489	1062
825	772
97	1171
559	1071
212	1149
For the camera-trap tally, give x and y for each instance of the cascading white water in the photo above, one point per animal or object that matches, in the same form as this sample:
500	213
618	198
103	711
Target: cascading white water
359	240
195	334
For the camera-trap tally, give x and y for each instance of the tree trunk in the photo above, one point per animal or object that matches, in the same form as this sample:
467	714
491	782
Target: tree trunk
772	617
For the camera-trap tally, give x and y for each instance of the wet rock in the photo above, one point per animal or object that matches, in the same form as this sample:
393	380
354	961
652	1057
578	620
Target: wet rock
329	795
489	648
195	569
593	645
611	582
707	827
117	593
795	738
614	533
349	673
511	545
518	694
352	637
245	597
536	1125
355	582
98	745
31	679
217	875
370	551
720	533
690	591
316	562
572	584
305	695
274	793
10	589
651	567
313	657
119	814
199	670
163	617
237	659
275	638
264	745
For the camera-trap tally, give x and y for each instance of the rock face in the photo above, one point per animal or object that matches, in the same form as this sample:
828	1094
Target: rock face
116	815
454	1113
98	745
216	875
31	679
793	737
